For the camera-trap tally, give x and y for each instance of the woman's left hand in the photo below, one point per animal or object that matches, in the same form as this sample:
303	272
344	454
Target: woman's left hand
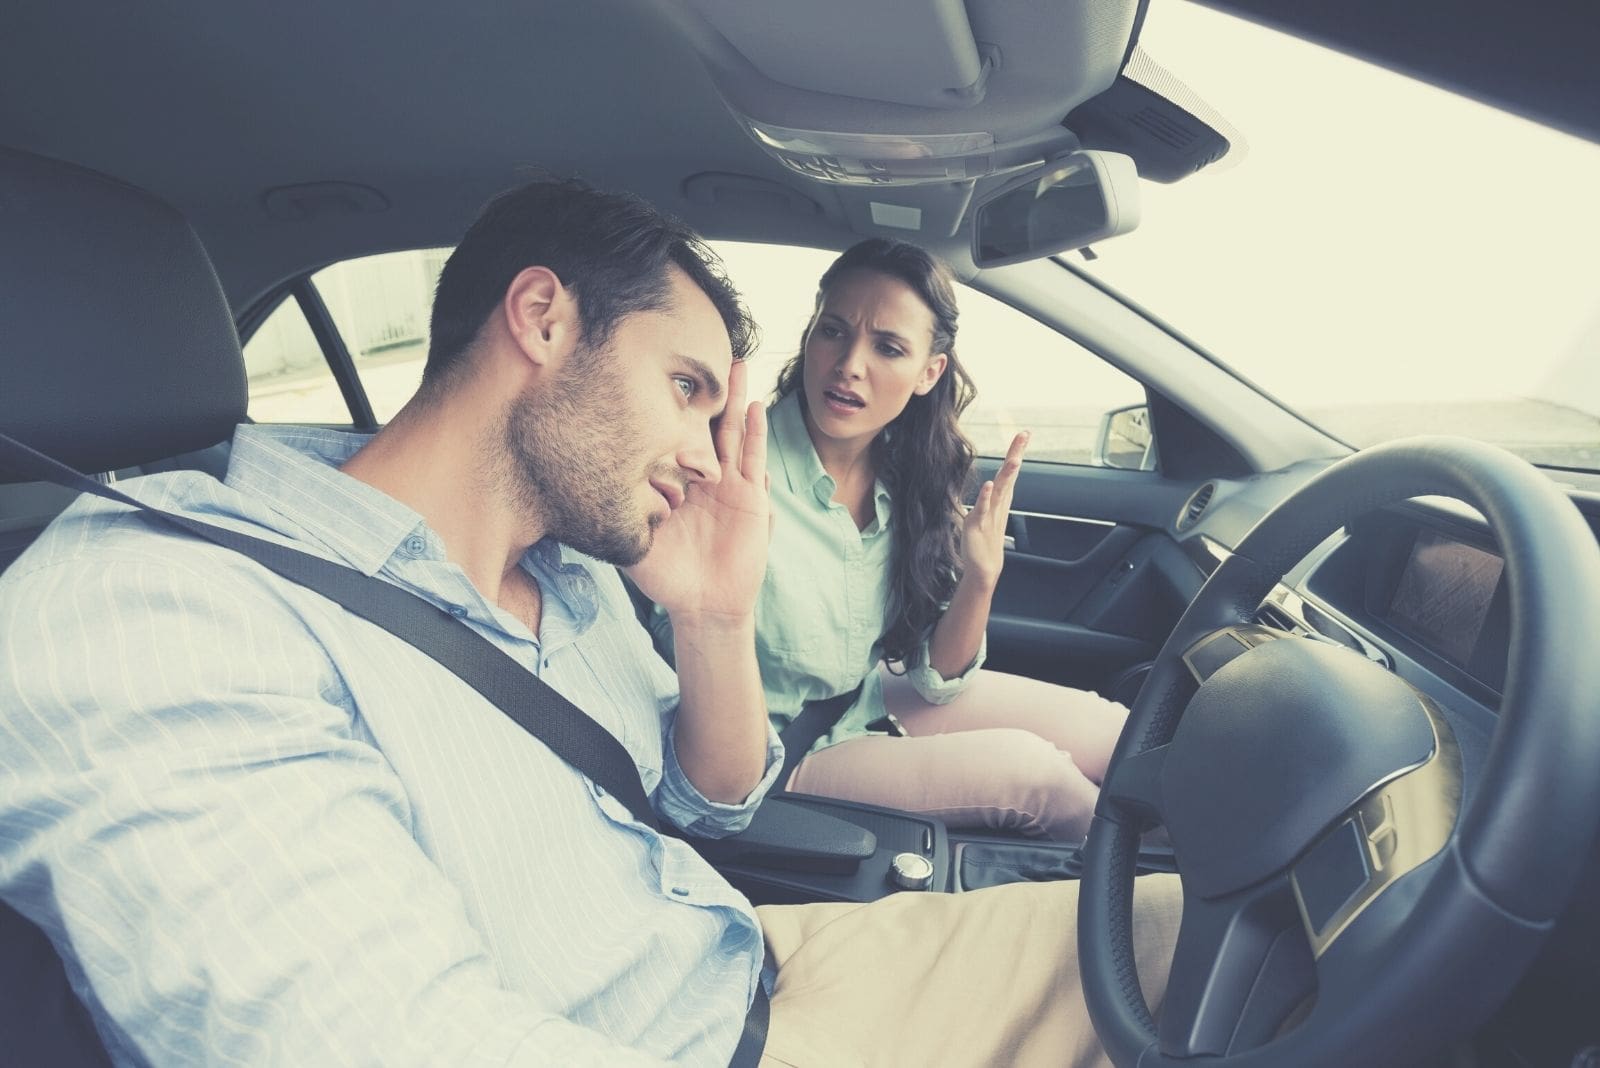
983	530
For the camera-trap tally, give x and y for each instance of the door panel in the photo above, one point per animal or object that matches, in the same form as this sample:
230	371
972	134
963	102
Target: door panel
1054	565
1095	581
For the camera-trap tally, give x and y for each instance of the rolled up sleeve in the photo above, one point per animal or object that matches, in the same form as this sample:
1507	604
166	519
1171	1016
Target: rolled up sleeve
684	806
934	687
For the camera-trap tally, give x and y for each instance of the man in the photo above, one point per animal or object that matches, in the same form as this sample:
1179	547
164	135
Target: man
261	829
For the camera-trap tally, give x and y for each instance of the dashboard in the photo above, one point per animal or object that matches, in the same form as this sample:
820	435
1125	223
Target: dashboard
1427	585
1442	597
1420	586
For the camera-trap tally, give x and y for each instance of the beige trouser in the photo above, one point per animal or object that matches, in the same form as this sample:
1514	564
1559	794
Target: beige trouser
1008	753
982	978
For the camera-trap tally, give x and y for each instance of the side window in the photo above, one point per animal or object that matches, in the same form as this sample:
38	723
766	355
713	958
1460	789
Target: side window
779	285
290	380
380	305
1028	376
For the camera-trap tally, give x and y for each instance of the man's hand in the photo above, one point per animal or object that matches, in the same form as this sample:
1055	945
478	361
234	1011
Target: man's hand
705	568
983	531
708	559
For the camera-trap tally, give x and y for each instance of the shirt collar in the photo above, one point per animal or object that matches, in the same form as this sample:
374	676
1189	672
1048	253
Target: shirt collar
294	471
564	571
802	467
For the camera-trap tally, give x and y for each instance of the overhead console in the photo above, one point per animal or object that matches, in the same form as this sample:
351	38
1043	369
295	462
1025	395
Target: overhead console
1028	123
908	91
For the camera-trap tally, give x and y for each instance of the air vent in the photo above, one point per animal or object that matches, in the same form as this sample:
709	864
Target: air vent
1270	615
1196	505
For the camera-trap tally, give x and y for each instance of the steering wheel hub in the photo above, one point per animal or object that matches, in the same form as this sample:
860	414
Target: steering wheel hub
1278	743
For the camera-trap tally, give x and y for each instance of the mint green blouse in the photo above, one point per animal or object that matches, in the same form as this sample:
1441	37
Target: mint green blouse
821	611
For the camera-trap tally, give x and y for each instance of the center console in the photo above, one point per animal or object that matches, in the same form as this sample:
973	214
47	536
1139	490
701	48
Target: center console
800	847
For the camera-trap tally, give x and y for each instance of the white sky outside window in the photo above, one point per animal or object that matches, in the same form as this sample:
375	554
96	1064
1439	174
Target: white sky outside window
1387	257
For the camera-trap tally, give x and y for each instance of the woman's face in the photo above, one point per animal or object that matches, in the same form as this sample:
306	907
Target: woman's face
868	350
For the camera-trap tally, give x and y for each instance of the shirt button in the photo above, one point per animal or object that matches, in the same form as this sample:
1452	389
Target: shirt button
680	891
415	545
459	611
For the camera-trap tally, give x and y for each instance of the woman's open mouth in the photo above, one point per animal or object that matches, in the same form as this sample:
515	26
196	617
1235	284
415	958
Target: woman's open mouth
842	401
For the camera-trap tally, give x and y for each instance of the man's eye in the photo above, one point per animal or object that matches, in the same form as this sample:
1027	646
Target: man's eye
687	385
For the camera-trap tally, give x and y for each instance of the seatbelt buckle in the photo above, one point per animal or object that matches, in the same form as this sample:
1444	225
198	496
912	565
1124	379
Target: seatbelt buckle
889	724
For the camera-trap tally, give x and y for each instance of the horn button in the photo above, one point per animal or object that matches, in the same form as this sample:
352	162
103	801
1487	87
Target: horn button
1277	744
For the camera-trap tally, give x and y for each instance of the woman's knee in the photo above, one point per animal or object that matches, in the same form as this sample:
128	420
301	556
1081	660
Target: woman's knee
1045	784
1032	761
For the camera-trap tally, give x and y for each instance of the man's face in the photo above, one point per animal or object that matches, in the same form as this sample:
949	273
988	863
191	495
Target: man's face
605	450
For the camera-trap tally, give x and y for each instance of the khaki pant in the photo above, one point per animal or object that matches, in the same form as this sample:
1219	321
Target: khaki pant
975	979
1008	753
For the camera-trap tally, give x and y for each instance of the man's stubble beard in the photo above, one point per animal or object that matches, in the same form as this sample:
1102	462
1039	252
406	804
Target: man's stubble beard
570	464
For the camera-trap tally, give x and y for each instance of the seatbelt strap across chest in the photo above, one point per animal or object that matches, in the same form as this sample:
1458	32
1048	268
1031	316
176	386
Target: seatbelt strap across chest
529	701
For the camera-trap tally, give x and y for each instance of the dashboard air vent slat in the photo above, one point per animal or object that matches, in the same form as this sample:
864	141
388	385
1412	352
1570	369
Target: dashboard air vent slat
1196	505
1270	615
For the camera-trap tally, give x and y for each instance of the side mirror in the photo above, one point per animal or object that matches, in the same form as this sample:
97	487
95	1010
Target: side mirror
1126	440
1074	201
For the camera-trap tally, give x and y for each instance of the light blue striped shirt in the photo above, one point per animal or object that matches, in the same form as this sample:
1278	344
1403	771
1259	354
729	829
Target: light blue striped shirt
262	830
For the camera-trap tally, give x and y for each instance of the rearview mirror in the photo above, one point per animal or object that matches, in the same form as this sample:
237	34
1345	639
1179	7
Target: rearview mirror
1072	202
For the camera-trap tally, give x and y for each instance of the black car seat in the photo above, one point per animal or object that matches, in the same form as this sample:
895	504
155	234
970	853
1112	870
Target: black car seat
119	350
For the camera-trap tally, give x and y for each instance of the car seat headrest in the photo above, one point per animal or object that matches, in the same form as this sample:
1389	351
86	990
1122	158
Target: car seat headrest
116	340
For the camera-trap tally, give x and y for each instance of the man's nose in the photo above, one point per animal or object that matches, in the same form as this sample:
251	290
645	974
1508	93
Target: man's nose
698	457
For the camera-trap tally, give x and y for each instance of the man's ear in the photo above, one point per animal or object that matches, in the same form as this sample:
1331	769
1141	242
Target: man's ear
540	315
931	373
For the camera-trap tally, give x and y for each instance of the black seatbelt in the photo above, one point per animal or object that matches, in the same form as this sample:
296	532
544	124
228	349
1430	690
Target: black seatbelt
747	1054
815	719
526	698
530	702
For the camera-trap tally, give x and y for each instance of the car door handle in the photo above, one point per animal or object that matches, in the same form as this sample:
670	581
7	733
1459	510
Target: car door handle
1010	543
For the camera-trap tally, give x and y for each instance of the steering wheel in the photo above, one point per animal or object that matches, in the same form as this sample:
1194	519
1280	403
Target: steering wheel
1340	906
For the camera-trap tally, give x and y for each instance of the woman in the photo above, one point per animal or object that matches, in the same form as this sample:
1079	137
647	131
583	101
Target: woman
874	559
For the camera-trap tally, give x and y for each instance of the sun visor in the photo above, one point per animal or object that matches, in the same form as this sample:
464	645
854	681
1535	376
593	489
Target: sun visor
907	92
1168	130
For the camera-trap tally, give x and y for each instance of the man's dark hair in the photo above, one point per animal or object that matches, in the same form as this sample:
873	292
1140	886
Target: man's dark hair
612	250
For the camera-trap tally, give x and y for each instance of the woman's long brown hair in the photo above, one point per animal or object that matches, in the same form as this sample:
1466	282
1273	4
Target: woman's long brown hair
922	456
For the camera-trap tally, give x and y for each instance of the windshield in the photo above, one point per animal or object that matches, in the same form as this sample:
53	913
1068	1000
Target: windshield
1386	258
